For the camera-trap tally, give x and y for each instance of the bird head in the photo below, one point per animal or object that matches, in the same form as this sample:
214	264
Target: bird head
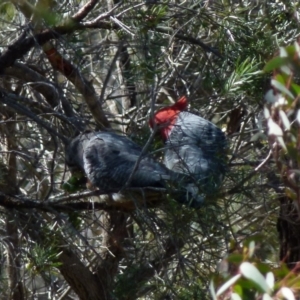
74	152
165	118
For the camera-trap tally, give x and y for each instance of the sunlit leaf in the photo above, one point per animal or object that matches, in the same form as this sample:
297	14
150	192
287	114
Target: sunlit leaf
270	279
274	129
282	52
287	293
250	272
285	120
266	297
235	296
298	116
266	112
228	284
286	69
251	248
281	142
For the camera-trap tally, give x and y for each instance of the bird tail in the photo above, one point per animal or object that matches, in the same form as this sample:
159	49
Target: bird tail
190	196
185	192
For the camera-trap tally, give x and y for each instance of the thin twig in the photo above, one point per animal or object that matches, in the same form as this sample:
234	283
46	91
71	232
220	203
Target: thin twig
122	25
264	161
108	75
136	165
102	16
84	11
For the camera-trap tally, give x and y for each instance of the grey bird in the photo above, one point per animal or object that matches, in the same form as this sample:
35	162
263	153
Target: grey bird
108	161
193	146
112	162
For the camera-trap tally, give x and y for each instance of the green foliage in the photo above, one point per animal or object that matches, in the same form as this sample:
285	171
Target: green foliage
214	52
150	18
125	284
41	259
75	219
75	183
43	12
283	113
7	12
243	78
254	279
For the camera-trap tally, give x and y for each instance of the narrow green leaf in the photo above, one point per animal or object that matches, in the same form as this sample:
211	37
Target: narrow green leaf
251	248
281	142
291	50
296	88
212	290
280	87
275	63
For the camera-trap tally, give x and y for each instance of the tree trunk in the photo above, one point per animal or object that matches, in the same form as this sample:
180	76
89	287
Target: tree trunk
288	226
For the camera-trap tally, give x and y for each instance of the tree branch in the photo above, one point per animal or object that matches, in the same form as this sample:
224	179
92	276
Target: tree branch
130	200
86	88
11	101
52	92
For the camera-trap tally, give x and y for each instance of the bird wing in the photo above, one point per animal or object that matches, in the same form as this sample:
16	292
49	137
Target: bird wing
197	147
110	159
202	168
188	159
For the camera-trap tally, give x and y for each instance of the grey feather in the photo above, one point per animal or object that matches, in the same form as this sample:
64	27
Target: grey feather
197	147
109	159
